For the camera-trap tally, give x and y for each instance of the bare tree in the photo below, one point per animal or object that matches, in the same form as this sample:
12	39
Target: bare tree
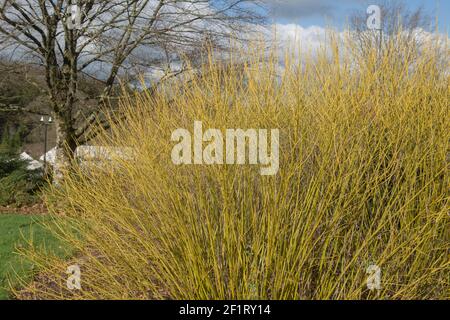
397	21
109	39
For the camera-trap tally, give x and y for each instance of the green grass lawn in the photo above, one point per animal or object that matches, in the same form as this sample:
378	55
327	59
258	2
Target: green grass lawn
14	231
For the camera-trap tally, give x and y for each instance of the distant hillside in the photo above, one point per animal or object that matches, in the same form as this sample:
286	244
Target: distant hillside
23	100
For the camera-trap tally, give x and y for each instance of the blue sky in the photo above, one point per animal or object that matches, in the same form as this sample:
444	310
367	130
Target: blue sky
335	12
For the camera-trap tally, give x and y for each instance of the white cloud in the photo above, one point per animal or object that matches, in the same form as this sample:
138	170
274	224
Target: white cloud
309	38
314	37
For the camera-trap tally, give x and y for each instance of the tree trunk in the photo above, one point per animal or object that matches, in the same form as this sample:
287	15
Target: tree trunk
65	145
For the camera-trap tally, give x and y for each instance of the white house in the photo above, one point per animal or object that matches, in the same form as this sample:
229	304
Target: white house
32	164
93	153
51	157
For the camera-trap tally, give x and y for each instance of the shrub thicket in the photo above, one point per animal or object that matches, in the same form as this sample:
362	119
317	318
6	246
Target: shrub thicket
18	185
363	181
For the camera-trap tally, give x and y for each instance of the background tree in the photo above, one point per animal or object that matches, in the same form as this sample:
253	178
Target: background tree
407	26
107	40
